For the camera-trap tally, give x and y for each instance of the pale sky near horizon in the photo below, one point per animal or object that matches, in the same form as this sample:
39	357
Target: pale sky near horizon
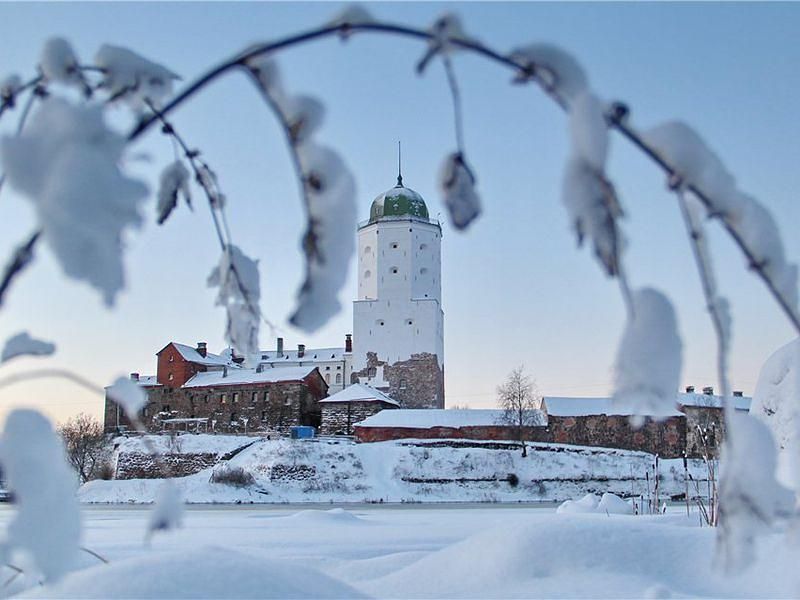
516	290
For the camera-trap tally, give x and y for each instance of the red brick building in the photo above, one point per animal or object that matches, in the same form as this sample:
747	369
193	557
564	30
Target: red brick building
196	390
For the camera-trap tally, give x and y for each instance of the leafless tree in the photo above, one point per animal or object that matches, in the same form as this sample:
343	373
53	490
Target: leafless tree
520	401
85	443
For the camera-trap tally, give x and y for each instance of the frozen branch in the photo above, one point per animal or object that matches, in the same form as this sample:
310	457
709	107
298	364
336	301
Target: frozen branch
19	260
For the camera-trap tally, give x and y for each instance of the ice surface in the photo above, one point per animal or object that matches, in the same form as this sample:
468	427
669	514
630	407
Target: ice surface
46	524
133	78
22	344
237	278
649	357
66	163
128	394
329	242
457	185
174	181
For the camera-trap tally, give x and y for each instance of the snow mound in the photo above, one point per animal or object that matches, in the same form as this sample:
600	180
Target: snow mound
587	504
610	504
205	572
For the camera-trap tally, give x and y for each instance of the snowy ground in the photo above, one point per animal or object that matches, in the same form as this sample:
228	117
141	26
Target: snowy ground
410	551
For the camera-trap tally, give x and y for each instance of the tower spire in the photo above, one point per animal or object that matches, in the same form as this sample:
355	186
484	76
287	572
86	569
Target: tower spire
399	165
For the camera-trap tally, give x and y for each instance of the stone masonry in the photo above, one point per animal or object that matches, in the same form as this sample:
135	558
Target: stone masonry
415	383
338	418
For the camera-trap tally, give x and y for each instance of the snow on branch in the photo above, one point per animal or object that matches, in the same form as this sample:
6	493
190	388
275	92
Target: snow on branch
174	182
46	523
133	78
60	64
649	358
446	29
22	344
328	243
129	395
750	498
67	165
237	278
697	167
457	184
555	68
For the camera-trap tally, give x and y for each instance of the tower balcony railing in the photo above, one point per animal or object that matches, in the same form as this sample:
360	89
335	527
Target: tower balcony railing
411	218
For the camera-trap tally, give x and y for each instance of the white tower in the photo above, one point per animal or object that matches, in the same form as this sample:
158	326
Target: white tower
398	322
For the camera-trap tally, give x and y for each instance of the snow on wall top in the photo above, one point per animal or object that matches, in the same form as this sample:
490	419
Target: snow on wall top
312	355
360	392
209	360
245	376
425	418
147	380
583	407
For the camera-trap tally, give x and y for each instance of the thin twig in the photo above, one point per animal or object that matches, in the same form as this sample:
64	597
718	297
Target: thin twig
456	96
9	102
95	554
22	256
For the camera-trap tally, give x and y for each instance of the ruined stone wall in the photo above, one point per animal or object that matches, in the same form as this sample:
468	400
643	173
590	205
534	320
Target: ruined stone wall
142	465
339	417
666	438
415	383
272	407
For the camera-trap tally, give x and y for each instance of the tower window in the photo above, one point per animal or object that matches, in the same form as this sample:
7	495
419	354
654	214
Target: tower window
423	270
394	245
402	384
367	274
423	246
367	249
380	322
394	270
409	322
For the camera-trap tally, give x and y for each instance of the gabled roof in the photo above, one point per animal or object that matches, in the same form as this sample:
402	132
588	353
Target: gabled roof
425	418
288	356
246	376
359	392
209	360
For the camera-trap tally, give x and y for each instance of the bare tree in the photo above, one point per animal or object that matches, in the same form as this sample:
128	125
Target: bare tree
520	401
84	440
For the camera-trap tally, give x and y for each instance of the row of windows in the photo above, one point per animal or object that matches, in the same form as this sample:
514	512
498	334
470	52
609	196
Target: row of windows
381	322
394	246
395	271
328	378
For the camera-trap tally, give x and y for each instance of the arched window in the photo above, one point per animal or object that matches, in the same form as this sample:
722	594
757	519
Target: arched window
328	378
423	246
423	270
367	249
380	322
367	274
394	245
338	378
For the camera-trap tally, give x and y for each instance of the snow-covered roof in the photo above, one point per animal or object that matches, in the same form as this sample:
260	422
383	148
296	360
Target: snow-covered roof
425	418
147	380
694	399
310	356
246	376
359	392
209	360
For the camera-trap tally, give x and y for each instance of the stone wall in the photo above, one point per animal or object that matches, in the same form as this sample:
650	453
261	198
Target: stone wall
339	417
267	407
666	438
141	465
704	419
415	383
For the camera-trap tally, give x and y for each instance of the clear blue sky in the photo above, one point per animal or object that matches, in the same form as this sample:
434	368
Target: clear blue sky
516	290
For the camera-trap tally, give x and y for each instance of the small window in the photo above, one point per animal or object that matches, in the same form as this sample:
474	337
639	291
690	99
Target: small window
402	384
254	397
394	245
171	377
287	402
205	399
146	411
372	372
367	249
327	368
367	274
223	398
233	417
423	246
235	397
171	358
338	378
191	399
339	368
409	322
393	270
328	378
165	408
263	415
423	270
266	396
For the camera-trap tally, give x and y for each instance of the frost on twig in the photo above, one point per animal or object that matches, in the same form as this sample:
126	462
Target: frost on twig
67	165
696	165
555	68
648	363
303	115
167	512
237	278
129	395
352	14
59	63
446	27
174	182
133	78
22	344
47	520
457	183
588	195
328	243
9	86
750	498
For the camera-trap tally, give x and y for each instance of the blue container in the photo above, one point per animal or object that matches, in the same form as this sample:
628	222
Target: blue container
301	432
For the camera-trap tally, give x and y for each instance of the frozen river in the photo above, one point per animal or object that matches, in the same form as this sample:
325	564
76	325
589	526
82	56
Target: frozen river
405	551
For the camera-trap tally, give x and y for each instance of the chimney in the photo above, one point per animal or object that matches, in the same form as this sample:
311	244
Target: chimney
348	342
202	349
738	394
236	359
260	368
690	389
301	350
135	376
280	346
708	391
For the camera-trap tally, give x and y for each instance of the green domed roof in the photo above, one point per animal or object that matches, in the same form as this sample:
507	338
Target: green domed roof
399	201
